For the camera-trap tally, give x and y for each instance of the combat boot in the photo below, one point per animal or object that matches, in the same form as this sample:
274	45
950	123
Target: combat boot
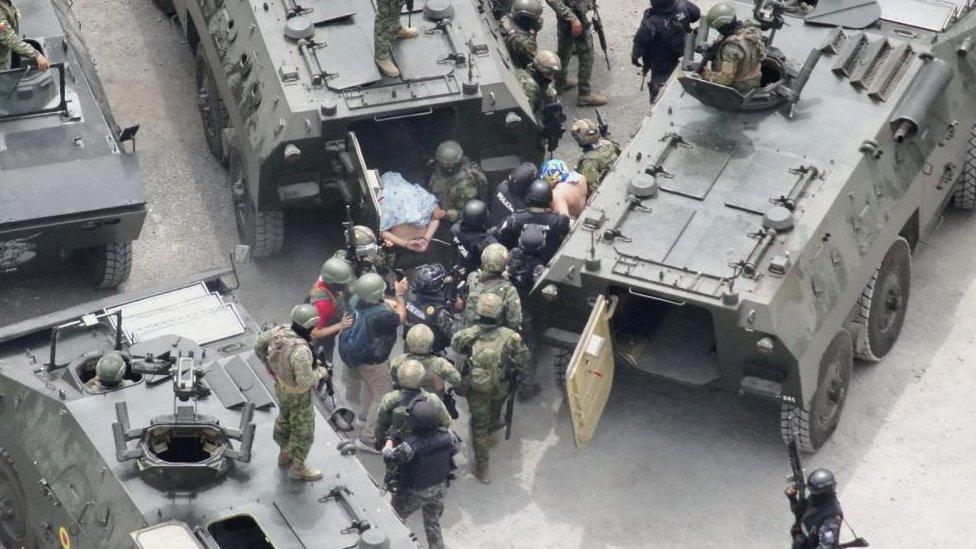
283	458
407	32
482	473
300	471
568	84
388	68
591	99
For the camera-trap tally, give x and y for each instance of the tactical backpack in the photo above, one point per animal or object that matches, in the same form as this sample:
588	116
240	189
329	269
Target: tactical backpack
358	345
282	344
485	372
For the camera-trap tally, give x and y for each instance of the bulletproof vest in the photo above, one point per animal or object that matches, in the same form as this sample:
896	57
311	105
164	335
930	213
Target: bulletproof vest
319	292
283	343
749	40
429	309
469	245
400	422
431	463
551	225
503	204
819	509
523	269
669	26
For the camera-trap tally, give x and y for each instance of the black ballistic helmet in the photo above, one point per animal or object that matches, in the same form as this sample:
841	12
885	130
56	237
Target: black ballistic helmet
539	194
662	4
429	278
423	418
521	177
821	481
532	239
475	214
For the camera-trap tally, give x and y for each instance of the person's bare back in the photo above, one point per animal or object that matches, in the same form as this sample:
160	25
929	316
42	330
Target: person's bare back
569	197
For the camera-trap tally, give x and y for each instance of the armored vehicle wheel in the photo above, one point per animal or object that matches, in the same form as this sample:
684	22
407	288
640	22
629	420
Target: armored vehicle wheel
212	109
111	264
884	301
812	427
13	508
965	197
264	232
166	6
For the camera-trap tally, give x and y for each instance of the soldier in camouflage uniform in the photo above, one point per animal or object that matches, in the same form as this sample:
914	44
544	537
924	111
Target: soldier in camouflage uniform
11	42
386	29
393	415
739	53
455	179
519	29
109	373
537	80
599	153
574	37
495	355
438	371
287	354
489	280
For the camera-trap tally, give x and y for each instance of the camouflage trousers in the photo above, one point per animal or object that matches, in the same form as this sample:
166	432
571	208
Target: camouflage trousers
408	500
486	418
582	47
386	27
295	427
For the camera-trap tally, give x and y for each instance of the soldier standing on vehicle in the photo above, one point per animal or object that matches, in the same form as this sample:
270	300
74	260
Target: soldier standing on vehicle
328	295
497	356
489	280
386	29
818	516
599	153
509	196
519	29
419	454
471	235
11	42
738	54
660	40
554	226
574	38
455	179
109	372
287	354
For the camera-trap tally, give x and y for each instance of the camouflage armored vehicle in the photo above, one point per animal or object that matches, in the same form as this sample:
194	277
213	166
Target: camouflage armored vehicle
761	242
178	453
293	102
68	182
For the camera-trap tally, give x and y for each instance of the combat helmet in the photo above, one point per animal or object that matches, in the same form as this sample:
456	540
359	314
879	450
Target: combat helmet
585	132
532	239
527	14
366	244
305	315
821	481
370	288
520	178
410	374
494	258
546	64
429	278
539	194
475	214
336	270
489	307
448	154
720	15
423	418
110	369
419	340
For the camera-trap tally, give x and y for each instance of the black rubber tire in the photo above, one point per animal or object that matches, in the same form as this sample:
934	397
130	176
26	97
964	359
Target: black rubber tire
264	232
213	112
166	6
884	303
965	196
812	426
112	264
14	528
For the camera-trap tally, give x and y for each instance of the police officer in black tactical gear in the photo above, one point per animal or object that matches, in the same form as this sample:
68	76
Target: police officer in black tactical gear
471	236
509	197
818	516
429	302
524	262
660	40
424	462
553	226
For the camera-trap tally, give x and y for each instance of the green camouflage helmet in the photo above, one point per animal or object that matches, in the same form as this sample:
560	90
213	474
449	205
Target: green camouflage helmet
449	153
370	288
494	258
547	64
420	339
337	271
530	10
305	315
585	132
110	369
490	306
720	15
410	374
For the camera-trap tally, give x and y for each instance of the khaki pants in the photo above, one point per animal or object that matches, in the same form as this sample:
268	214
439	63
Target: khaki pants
375	382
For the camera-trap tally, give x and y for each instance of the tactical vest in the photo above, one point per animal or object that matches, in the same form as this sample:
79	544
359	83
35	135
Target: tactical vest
400	420
432	462
282	344
749	41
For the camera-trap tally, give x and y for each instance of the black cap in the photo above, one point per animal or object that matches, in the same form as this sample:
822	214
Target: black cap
539	194
521	177
475	214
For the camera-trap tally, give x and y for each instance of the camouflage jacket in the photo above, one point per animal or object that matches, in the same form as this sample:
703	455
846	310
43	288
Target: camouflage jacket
596	162
537	95
568	11
495	349
739	59
479	283
521	43
288	358
437	370
454	190
393	415
10	40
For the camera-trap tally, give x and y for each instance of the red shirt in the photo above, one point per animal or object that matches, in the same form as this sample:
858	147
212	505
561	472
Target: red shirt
324	301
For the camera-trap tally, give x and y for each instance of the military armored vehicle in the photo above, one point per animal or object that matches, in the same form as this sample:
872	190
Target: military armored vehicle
761	242
179	453
293	102
69	183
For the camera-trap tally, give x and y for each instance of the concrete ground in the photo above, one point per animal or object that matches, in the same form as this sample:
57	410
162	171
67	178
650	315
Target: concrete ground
670	466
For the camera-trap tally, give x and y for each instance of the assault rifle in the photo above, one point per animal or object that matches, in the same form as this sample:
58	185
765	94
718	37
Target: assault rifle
553	124
597	23
349	230
604	127
513	380
320	362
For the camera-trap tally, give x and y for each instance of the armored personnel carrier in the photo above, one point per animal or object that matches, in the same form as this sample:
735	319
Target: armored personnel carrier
179	453
67	182
293	102
761	242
